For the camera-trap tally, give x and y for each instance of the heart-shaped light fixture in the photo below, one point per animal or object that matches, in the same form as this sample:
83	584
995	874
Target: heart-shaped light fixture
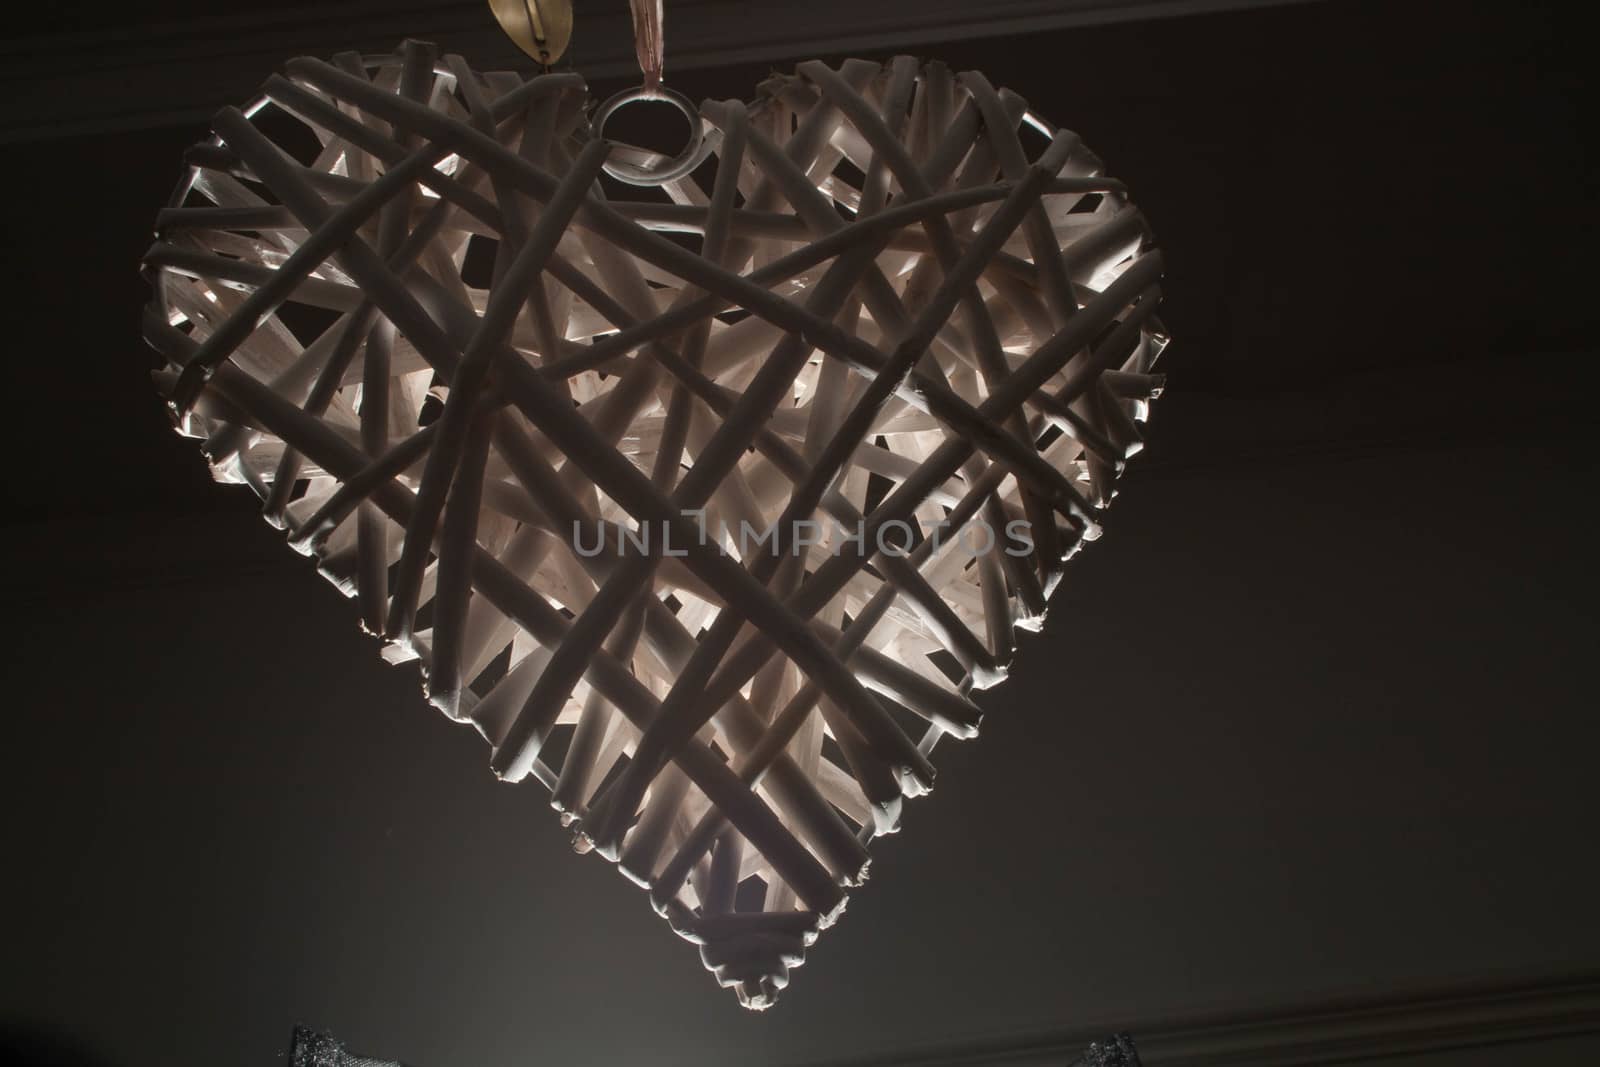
708	510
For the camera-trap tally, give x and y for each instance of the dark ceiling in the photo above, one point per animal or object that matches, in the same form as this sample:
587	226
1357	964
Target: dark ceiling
1316	716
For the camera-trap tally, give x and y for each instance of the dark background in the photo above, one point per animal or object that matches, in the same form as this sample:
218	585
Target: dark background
1316	717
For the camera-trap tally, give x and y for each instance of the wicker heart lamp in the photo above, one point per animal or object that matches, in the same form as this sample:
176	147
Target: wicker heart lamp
708	489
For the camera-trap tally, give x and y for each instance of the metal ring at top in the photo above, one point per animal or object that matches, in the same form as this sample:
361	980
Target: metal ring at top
680	165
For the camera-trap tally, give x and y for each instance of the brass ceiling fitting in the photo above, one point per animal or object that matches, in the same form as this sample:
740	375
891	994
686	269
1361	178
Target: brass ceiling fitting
541	28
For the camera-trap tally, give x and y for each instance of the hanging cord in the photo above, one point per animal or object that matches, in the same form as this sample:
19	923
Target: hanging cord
648	42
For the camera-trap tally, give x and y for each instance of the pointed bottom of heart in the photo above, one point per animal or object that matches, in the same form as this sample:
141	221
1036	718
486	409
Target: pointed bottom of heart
753	953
